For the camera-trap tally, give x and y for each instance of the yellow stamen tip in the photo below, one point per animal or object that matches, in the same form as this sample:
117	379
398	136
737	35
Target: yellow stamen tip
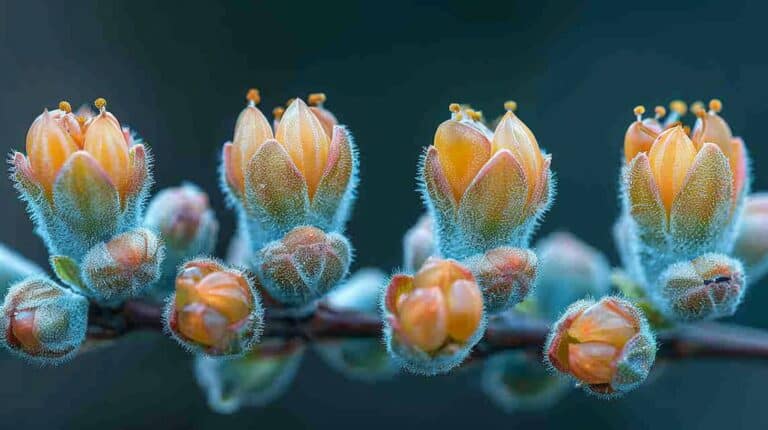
100	103
687	129
660	111
696	106
454	107
639	110
253	96
715	105
316	99
476	115
278	112
679	107
510	105
81	120
65	106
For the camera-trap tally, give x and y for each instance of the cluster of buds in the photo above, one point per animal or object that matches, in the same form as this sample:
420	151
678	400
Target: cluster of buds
605	346
42	321
83	178
359	359
569	270
683	195
302	173
183	218
518	381
215	309
255	379
486	192
433	318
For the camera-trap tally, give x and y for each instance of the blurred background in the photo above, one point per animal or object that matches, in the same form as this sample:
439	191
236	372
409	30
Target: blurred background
178	71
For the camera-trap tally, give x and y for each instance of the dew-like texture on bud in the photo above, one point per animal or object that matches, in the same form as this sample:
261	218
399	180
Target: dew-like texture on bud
607	346
517	381
358	359
569	270
215	309
14	267
303	176
43	322
254	380
304	265
418	244
752	238
505	275
484	190
83	182
707	287
183	218
123	267
434	318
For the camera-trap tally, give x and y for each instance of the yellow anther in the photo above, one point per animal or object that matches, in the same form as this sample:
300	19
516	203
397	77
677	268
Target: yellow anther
697	106
715	105
454	107
316	99
253	96
660	111
65	106
278	112
679	107
476	115
81	120
100	103
687	129
639	110
510	105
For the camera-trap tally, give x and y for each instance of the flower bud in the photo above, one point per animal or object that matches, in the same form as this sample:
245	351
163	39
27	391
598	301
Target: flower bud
517	381
253	380
123	267
305	175
186	223
505	275
640	135
752	239
251	131
214	310
42	321
327	119
418	244
707	287
484	190
84	181
303	266
569	270
434	318
606	346
14	267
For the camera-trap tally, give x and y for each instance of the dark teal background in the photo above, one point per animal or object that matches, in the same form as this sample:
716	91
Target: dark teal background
178	71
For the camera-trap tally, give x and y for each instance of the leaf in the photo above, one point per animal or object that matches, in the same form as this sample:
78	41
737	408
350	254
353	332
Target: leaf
67	270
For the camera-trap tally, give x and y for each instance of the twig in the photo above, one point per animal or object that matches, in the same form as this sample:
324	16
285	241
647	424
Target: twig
506	332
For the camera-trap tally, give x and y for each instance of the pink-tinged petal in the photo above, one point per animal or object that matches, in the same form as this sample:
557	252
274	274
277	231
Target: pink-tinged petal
738	163
229	168
644	200
21	173
84	195
703	205
541	191
592	362
423	319
439	189
463	150
337	175
398	286
495	201
139	170
273	184
557	345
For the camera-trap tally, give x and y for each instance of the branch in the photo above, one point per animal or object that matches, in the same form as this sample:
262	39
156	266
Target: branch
506	332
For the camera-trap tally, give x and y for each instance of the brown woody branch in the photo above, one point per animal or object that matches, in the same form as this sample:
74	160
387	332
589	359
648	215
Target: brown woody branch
507	332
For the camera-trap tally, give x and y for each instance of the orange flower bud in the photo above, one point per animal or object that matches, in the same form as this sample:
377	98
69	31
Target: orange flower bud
512	134
671	157
640	134
251	131
105	141
48	148
326	118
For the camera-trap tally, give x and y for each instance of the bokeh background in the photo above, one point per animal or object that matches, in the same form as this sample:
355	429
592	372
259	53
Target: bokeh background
178	72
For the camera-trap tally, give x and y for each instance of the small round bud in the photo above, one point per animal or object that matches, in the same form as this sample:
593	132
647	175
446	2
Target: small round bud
606	346
123	267
517	381
42	321
253	380
418	244
569	270
434	318
304	265
505	275
215	309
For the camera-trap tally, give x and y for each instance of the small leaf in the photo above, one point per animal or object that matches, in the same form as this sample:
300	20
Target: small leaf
67	270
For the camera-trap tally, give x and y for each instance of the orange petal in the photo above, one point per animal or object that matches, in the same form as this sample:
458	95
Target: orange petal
423	319
605	322
437	184
105	141
251	131
636	140
48	148
514	135
462	151
223	292
592	363
465	309
671	157
398	286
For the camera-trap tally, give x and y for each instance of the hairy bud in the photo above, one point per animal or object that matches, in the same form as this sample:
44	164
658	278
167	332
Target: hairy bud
418	244
215	309
304	265
752	239
42	321
505	275
434	318
606	346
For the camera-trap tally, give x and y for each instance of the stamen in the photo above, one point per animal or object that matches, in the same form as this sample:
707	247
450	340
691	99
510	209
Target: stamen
510	105
253	96
639	110
660	112
278	113
715	105
702	115
316	99
696	106
65	106
455	109
100	103
679	107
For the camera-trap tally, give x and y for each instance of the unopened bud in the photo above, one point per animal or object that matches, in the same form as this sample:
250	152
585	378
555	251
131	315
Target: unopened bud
418	244
505	275
752	240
